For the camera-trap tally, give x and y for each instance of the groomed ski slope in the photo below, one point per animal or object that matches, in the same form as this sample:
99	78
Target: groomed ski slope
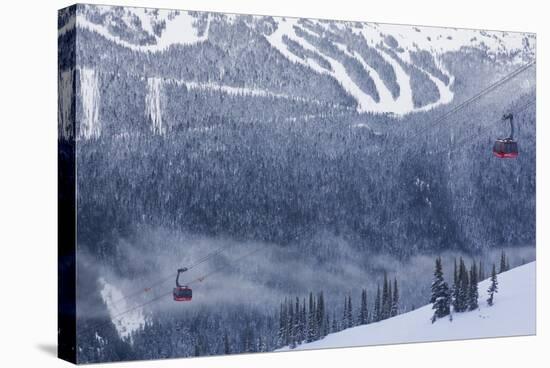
514	313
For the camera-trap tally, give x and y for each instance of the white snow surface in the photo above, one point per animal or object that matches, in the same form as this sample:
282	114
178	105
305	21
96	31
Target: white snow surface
181	28
513	314
90	126
286	27
153	104
401	105
125	323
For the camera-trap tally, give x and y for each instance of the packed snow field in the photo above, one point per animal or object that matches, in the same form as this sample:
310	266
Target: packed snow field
513	314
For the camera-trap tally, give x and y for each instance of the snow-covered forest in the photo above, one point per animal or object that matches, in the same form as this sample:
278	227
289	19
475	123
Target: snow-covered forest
308	144
512	314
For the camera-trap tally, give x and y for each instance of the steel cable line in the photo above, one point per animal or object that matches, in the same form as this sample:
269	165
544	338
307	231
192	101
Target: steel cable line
438	120
465	103
483	129
475	97
457	108
204	277
159	297
161	281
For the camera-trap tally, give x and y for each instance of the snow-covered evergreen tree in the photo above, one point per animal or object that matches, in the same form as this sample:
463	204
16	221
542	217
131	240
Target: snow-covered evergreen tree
493	288
297	322
344	323
363	316
334	327
455	274
386	298
461	289
503	263
349	314
291	326
226	344
441	297
395	300
474	293
282	336
311	319
377	305
320	316
303	317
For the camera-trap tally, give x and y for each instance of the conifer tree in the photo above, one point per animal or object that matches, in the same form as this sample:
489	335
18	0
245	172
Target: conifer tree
462	289
282	338
349	313
334	327
303	317
262	345
345	315
473	294
320	315
291	326
363	311
250	341
387	312
455	274
297	322
395	300
386	294
493	287
503	263
441	298
455	288
376	316
226	344
311	319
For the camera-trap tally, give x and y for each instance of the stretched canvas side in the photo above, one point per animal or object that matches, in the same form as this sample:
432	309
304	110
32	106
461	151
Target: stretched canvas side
66	159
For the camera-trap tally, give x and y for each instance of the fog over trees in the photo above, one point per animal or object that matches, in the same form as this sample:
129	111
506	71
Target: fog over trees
227	143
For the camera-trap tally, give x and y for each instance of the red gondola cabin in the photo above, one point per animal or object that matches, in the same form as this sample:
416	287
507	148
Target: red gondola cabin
505	148
183	294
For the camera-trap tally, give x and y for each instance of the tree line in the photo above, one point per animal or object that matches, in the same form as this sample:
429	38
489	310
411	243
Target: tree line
306	320
463	295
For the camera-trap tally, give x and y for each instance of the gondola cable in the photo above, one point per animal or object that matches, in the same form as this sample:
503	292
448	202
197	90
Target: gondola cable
165	279
474	98
462	105
159	297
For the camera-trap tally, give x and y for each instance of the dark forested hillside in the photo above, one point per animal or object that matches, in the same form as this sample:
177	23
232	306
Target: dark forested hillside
316	144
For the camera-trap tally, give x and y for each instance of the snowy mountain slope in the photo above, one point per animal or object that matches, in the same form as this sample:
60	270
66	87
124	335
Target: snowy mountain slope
513	314
384	68
116	304
142	29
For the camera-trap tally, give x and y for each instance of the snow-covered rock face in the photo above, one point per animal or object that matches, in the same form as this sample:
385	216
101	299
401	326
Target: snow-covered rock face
384	68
